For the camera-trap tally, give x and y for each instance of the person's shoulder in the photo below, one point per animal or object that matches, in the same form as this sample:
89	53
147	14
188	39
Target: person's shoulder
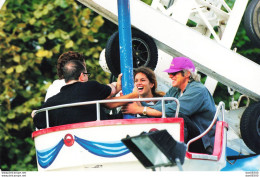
91	83
54	88
198	87
197	84
52	99
56	85
172	89
58	82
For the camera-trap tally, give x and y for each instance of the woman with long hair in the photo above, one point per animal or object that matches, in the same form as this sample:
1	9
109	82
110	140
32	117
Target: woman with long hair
146	83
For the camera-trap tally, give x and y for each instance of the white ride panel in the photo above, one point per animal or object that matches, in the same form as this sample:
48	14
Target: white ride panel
95	155
97	146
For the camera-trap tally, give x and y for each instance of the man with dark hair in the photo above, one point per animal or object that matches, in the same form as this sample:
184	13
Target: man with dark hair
72	70
64	58
55	87
78	89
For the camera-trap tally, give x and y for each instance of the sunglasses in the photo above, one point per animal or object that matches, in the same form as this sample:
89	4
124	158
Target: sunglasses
87	74
175	73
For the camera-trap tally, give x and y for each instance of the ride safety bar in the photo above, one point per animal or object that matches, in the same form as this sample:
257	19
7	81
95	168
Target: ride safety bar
221	106
98	102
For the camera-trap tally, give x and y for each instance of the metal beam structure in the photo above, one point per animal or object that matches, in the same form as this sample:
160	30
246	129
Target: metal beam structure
176	39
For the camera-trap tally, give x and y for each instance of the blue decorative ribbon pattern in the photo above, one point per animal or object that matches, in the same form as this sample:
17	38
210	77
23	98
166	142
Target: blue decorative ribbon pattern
104	149
108	149
47	156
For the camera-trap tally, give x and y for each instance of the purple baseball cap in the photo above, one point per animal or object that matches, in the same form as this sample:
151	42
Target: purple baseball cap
180	63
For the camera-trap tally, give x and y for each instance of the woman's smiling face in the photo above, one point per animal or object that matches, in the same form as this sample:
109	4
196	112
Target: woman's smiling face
143	85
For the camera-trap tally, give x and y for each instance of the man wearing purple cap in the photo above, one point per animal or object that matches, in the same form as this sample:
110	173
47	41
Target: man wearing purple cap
197	104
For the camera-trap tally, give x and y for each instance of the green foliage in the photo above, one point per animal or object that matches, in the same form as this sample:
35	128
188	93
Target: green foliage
149	2
244	46
32	36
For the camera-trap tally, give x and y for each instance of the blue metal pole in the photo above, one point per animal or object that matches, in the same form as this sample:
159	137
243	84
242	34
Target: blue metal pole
125	45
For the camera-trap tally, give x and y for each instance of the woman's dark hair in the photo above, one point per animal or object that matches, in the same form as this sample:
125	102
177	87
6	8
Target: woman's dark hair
64	58
151	77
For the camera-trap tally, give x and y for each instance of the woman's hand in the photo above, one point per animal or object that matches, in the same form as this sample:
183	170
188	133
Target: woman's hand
135	90
132	108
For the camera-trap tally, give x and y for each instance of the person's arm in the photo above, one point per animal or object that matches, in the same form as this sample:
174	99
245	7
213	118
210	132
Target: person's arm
191	101
118	87
116	104
39	120
115	86
33	113
134	108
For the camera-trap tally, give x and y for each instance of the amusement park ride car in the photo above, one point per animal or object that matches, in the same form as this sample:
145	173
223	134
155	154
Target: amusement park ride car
202	30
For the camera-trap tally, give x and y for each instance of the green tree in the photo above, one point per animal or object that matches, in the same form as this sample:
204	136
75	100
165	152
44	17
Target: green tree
33	34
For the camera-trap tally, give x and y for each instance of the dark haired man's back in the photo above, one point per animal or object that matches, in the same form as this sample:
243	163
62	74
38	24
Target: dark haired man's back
72	93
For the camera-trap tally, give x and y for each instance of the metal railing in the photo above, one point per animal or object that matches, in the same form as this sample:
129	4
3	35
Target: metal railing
98	102
221	106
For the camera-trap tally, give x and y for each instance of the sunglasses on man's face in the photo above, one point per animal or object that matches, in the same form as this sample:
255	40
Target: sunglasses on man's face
173	74
87	74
